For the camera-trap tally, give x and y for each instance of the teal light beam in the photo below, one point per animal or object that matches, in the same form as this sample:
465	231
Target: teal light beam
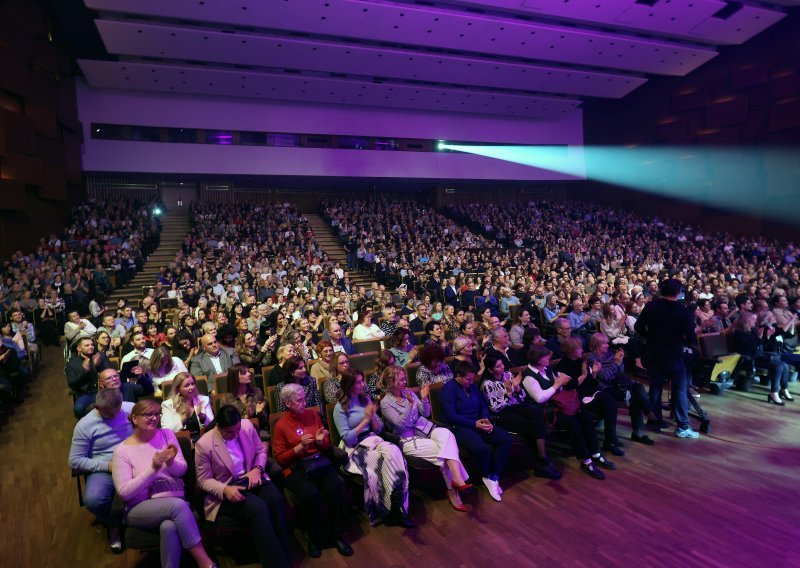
763	181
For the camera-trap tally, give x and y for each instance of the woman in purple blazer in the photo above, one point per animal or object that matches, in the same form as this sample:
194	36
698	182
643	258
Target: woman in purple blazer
230	462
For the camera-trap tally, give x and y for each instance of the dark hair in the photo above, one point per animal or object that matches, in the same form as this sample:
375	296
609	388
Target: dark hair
463	368
430	325
291	365
347	382
397	337
536	352
383	360
671	288
489	362
228	416
233	379
529	335
429	353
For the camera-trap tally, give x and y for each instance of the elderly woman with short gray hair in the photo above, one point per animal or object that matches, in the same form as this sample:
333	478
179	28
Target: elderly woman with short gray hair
301	444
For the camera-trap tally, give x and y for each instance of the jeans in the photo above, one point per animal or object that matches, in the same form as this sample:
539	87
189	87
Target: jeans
83	404
675	371
98	496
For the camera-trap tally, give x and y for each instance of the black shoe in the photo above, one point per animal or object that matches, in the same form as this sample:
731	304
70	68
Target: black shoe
546	469
592	470
603	462
618	443
314	550
657	425
343	547
613	449
397	519
643	439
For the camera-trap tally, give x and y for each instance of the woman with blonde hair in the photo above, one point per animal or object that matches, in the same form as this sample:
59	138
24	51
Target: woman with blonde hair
406	414
186	409
162	367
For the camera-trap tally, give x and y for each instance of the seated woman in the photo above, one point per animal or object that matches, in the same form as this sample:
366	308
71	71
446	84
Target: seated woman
602	404
366	329
253	355
465	411
321	369
245	397
463	350
278	373
508	403
296	374
147	469
404	353
230	461
522	323
542	384
163	367
406	415
611	379
331	389
380	462
186	409
750	342
375	380
432	368
300	442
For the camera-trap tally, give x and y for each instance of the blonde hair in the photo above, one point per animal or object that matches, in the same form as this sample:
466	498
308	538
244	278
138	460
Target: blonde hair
180	406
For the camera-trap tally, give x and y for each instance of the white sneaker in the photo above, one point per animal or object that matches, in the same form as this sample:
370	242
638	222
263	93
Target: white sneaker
492	486
686	433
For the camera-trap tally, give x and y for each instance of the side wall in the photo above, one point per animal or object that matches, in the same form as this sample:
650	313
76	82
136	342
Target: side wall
40	171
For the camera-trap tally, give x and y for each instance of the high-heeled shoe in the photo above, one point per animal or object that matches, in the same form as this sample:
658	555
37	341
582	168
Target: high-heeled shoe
462	487
771	400
461	508
785	395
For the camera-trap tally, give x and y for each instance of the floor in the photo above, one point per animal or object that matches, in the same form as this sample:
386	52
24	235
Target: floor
727	499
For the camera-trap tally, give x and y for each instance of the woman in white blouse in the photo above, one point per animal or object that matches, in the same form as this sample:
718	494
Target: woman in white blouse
366	329
406	415
186	409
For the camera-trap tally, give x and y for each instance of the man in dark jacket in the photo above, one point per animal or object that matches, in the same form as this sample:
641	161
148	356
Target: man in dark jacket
668	327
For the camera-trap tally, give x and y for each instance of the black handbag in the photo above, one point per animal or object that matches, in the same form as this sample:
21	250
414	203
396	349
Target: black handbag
315	467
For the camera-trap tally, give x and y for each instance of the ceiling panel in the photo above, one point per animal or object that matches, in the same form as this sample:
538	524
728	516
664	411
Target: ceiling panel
219	82
503	57
197	44
671	18
434	27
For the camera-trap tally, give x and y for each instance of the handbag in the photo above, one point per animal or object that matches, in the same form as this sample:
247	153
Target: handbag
565	402
423	427
315	467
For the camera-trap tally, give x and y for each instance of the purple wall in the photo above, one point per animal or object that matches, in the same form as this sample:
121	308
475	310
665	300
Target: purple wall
115	107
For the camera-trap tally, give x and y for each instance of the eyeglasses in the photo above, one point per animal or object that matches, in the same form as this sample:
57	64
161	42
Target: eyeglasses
151	415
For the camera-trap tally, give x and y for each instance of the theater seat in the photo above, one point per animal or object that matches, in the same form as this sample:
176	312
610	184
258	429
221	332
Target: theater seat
715	366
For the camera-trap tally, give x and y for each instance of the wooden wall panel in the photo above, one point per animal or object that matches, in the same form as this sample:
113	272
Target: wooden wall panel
13	193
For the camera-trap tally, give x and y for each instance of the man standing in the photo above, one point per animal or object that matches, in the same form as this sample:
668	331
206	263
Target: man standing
668	326
94	439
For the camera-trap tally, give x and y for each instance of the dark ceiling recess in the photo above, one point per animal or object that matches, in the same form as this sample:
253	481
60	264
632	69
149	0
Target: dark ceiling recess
647	2
729	10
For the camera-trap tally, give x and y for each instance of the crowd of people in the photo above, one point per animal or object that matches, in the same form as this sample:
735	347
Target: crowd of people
482	339
67	274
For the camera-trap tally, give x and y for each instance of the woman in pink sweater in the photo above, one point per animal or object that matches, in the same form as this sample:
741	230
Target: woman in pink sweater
147	470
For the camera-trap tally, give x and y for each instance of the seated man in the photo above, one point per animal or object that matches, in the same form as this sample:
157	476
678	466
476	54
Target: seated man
94	439
115	330
138	341
77	328
214	359
578	320
81	371
26	330
563	332
131	392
